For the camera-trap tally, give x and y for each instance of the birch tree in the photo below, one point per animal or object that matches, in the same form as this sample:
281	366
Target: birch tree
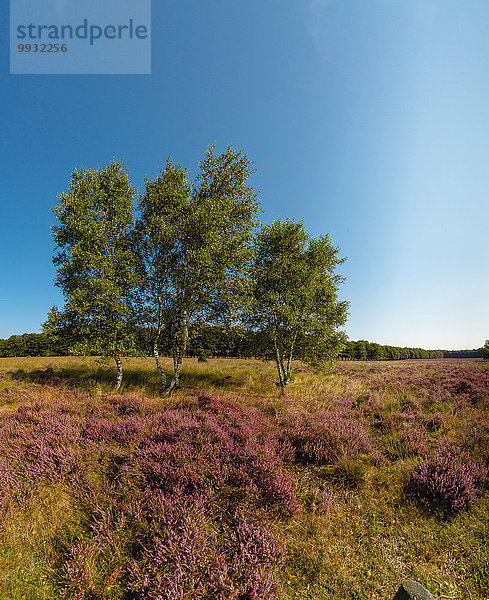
195	241
95	263
295	297
163	209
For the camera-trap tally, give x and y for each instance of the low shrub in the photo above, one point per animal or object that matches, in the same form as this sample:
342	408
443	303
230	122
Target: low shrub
409	441
202	356
475	439
90	386
348	472
447	480
326	436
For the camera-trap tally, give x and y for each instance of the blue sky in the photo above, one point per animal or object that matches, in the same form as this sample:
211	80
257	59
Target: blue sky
369	119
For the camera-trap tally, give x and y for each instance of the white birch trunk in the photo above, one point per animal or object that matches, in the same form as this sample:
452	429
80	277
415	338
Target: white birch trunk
179	348
156	340
158	365
281	371
118	377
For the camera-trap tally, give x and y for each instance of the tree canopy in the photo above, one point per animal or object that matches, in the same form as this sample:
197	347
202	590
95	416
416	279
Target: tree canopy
95	263
195	245
295	296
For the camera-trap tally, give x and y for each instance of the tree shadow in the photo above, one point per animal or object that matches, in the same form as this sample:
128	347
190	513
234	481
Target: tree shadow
93	380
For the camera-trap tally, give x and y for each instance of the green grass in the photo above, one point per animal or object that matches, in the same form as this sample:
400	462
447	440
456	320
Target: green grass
33	540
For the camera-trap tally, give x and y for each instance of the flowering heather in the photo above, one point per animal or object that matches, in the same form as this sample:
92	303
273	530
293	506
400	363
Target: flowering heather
255	497
414	440
216	445
327	436
95	562
37	444
320	500
438	382
189	555
167	496
410	440
475	439
447	480
121	430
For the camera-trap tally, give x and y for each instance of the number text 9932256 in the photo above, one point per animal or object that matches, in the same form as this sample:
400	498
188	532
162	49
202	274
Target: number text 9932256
42	48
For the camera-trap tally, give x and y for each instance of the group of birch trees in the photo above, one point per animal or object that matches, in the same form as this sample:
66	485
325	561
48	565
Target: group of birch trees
185	253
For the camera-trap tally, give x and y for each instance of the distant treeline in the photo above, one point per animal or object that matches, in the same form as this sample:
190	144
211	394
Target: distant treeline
205	341
220	341
27	344
363	350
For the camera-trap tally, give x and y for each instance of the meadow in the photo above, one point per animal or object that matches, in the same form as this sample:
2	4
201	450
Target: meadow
362	477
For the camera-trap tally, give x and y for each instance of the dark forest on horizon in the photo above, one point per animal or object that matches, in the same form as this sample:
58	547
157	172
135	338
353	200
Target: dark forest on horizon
229	342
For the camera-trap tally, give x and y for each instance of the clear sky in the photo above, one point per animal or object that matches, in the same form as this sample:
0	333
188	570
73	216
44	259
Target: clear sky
369	119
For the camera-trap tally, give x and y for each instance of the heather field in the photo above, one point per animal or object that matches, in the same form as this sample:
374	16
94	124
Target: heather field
365	476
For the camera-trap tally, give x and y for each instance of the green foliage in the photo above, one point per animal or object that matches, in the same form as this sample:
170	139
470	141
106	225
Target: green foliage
95	262
195	242
363	350
27	344
348	472
485	350
90	386
202	356
295	304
